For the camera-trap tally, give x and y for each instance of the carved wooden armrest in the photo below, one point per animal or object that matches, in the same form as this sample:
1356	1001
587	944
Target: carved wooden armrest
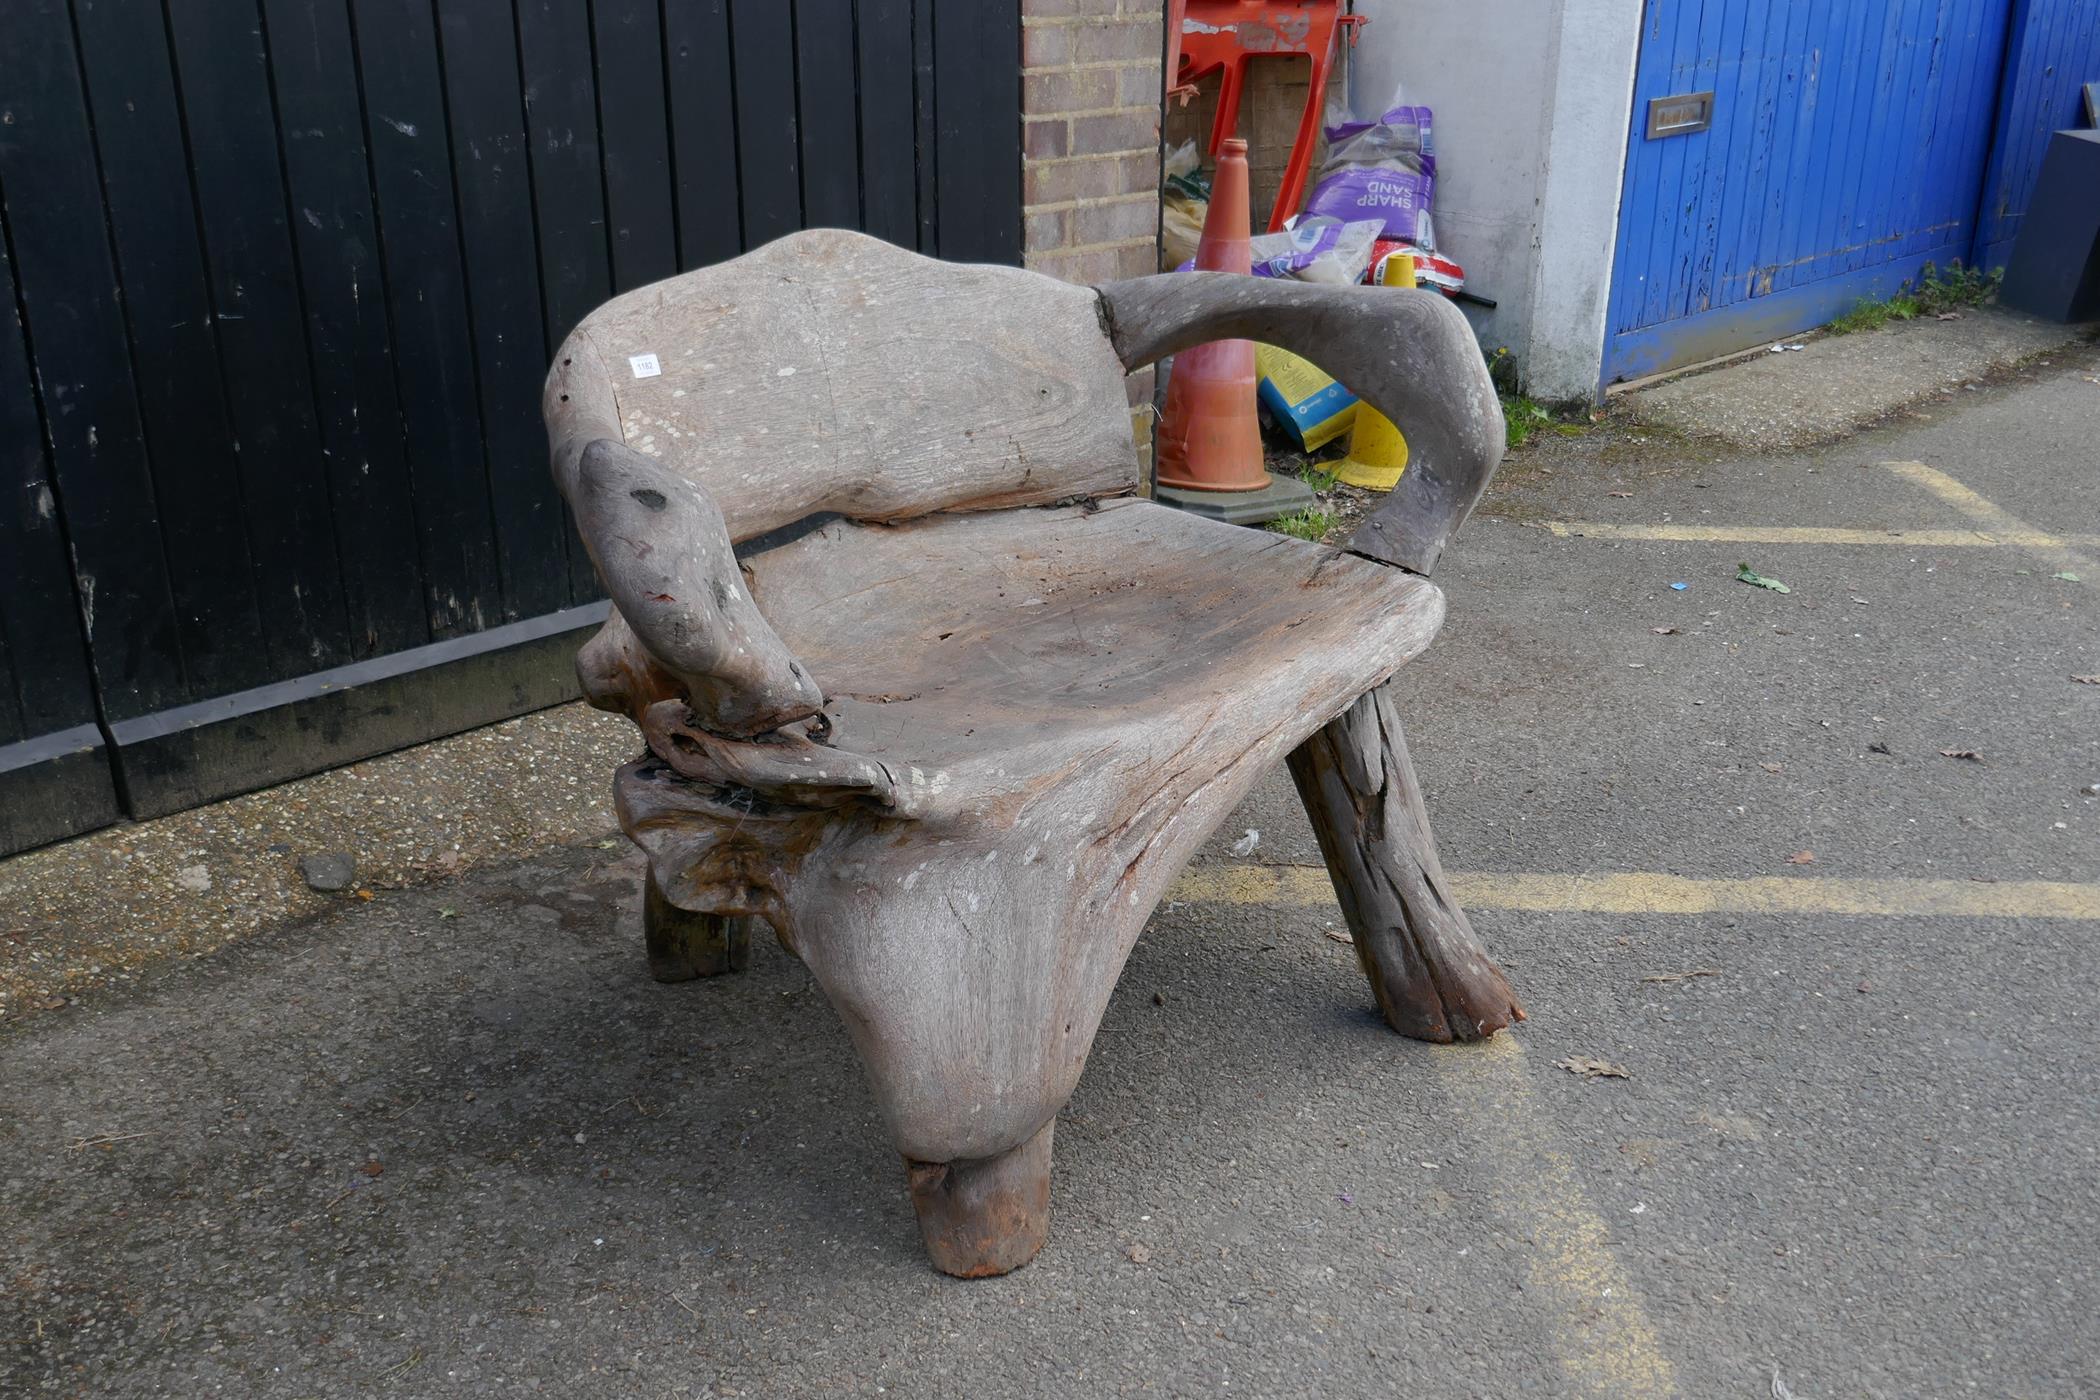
685	625
1409	354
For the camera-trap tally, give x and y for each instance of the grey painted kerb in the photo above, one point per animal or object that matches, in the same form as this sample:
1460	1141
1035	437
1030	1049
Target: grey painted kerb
236	743
64	784
54	786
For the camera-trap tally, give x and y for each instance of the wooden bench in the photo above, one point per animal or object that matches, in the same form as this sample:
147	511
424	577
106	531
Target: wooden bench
929	690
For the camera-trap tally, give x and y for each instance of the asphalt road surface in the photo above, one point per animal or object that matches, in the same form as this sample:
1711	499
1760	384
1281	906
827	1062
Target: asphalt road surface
454	1142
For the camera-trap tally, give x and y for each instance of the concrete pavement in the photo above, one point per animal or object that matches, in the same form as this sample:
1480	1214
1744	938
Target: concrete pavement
1822	387
451	1141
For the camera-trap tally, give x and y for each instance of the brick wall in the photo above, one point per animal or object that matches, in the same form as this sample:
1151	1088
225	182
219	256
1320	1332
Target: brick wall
1090	103
1090	137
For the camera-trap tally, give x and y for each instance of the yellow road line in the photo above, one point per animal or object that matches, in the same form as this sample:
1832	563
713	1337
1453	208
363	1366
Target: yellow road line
1637	892
1602	1337
1601	1334
1815	534
2053	550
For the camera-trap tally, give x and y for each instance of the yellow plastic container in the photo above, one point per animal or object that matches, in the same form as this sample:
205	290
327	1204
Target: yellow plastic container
1377	451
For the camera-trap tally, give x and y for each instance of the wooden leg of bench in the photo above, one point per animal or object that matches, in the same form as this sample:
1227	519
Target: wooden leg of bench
1432	978
971	990
684	945
985	1217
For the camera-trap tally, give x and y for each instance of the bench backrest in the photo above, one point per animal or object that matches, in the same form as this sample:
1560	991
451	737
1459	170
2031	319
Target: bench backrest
830	371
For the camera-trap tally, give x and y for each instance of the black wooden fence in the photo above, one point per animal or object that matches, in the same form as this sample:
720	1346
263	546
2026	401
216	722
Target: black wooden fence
285	275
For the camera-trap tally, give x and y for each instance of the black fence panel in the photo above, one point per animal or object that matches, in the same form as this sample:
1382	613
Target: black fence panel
54	770
282	279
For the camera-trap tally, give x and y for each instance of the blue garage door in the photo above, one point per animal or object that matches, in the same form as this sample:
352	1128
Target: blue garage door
2055	52
1846	148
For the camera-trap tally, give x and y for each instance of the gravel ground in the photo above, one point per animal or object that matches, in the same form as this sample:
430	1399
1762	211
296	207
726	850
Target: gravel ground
96	911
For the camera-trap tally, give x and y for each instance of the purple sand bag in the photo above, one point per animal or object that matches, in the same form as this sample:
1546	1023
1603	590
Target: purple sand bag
1383	170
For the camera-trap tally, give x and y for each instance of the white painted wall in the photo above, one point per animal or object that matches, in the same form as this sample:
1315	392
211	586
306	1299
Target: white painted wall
1531	100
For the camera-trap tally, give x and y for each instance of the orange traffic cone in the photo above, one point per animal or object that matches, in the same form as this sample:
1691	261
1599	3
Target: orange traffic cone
1208	437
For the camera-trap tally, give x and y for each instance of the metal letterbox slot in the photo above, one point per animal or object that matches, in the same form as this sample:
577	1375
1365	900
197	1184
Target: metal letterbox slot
1681	114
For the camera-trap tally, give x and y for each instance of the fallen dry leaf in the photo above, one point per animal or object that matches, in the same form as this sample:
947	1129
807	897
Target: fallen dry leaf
1773	767
1139	1254
104	1141
1623	495
1969	754
2087	680
373	1167
1802	858
365	894
1339	937
1682	976
1590	1068
1664	631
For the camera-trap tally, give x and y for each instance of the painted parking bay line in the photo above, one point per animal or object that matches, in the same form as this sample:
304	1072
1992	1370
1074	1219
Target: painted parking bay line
1601	1335
2050	549
1639	892
1816	534
1994	527
1599	1331
1592	1315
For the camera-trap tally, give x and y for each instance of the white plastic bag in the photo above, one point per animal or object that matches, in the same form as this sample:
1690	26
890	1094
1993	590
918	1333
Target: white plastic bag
1317	250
